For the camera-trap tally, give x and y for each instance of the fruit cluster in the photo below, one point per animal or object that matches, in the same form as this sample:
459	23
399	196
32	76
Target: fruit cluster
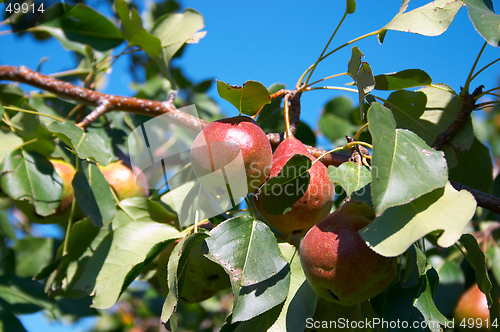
332	252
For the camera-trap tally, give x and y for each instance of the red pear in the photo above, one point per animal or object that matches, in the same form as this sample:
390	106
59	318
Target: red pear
338	264
471	312
233	151
317	200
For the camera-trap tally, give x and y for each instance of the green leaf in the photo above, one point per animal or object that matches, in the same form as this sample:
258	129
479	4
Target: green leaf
84	25
23	295
86	145
115	257
176	263
425	302
428	112
175	29
6	228
26	175
2	110
10	141
248	251
475	168
32	254
9	322
478	261
451	283
247	99
134	32
83	242
350	176
397	228
354	62
485	20
404	79
335	128
429	20
351	6
404	167
365	79
293	180
143	209
93	194
400	302
300	302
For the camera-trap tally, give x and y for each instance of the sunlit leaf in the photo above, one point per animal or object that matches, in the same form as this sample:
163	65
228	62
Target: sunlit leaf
350	176
248	251
175	29
399	227
116	255
26	175
404	79
134	32
485	20
248	99
86	145
431	19
404	167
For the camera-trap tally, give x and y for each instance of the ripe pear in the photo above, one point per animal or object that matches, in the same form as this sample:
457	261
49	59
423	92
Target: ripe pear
314	205
122	180
234	152
338	264
472	305
67	172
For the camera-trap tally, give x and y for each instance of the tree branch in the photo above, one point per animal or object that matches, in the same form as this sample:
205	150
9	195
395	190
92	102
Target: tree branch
103	102
106	103
483	200
468	105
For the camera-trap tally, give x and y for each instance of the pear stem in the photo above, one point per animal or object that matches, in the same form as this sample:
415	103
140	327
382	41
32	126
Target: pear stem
286	108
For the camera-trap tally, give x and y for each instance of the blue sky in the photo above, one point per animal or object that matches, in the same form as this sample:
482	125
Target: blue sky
274	42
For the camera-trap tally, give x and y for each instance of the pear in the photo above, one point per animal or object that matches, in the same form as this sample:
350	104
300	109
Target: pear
232	152
313	206
122	180
472	311
338	264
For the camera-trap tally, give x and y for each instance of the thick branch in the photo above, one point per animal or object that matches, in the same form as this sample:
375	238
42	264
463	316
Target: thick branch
111	102
468	105
483	200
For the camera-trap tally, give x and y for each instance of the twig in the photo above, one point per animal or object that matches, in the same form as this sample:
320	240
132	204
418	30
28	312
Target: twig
468	105
93	98
483	200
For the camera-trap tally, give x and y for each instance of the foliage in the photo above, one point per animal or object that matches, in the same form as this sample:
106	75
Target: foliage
122	261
